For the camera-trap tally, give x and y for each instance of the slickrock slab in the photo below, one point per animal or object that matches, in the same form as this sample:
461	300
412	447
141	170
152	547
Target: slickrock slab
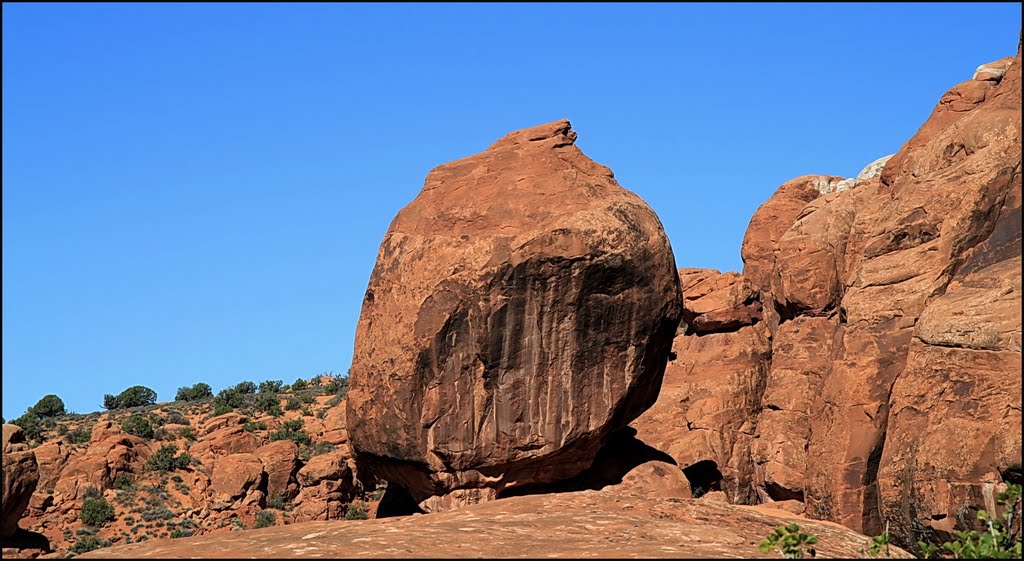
594	524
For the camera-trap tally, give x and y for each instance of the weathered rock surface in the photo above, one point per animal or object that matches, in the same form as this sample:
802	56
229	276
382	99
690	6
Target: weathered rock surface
522	307
20	478
889	387
117	453
280	463
612	523
236	477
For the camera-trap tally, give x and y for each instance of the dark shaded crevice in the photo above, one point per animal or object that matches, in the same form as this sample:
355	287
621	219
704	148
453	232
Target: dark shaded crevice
397	502
704	477
871	518
620	454
779	493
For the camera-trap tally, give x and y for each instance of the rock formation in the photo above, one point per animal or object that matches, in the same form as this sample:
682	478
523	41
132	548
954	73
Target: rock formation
623	521
521	308
869	359
20	477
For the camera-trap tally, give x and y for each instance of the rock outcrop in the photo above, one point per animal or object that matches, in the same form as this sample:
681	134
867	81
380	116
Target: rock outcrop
611	523
21	475
872	371
521	308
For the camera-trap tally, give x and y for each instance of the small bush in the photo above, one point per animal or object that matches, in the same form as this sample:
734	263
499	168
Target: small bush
176	418
291	430
790	542
137	425
165	460
197	392
88	543
78	436
292	404
253	426
265	518
246	387
96	511
91	492
187	433
271	386
179	533
356	511
315	449
269	403
299	384
279	502
337	386
221	408
49	406
998	541
123	482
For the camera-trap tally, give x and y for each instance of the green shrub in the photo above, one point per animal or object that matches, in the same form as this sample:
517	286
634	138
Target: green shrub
78	436
137	425
187	433
96	511
179	533
879	542
271	386
292	403
299	384
291	430
123	482
49	406
279	502
246	387
337	386
253	426
30	425
220	409
356	511
269	403
88	543
998	541
315	449
790	542
197	392
175	417
165	460
307	398
91	492
135	396
265	518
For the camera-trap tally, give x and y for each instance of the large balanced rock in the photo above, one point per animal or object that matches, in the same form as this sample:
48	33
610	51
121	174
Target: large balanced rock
20	477
521	308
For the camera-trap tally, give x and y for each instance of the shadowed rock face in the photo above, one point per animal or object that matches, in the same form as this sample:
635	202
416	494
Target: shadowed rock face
868	360
20	477
522	307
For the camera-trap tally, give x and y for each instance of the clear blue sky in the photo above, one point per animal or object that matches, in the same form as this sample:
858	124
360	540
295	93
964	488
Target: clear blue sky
197	192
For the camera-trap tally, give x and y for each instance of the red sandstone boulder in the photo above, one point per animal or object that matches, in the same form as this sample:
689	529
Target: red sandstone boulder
236	478
522	307
772	219
52	457
713	301
223	442
102	462
20	475
280	463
